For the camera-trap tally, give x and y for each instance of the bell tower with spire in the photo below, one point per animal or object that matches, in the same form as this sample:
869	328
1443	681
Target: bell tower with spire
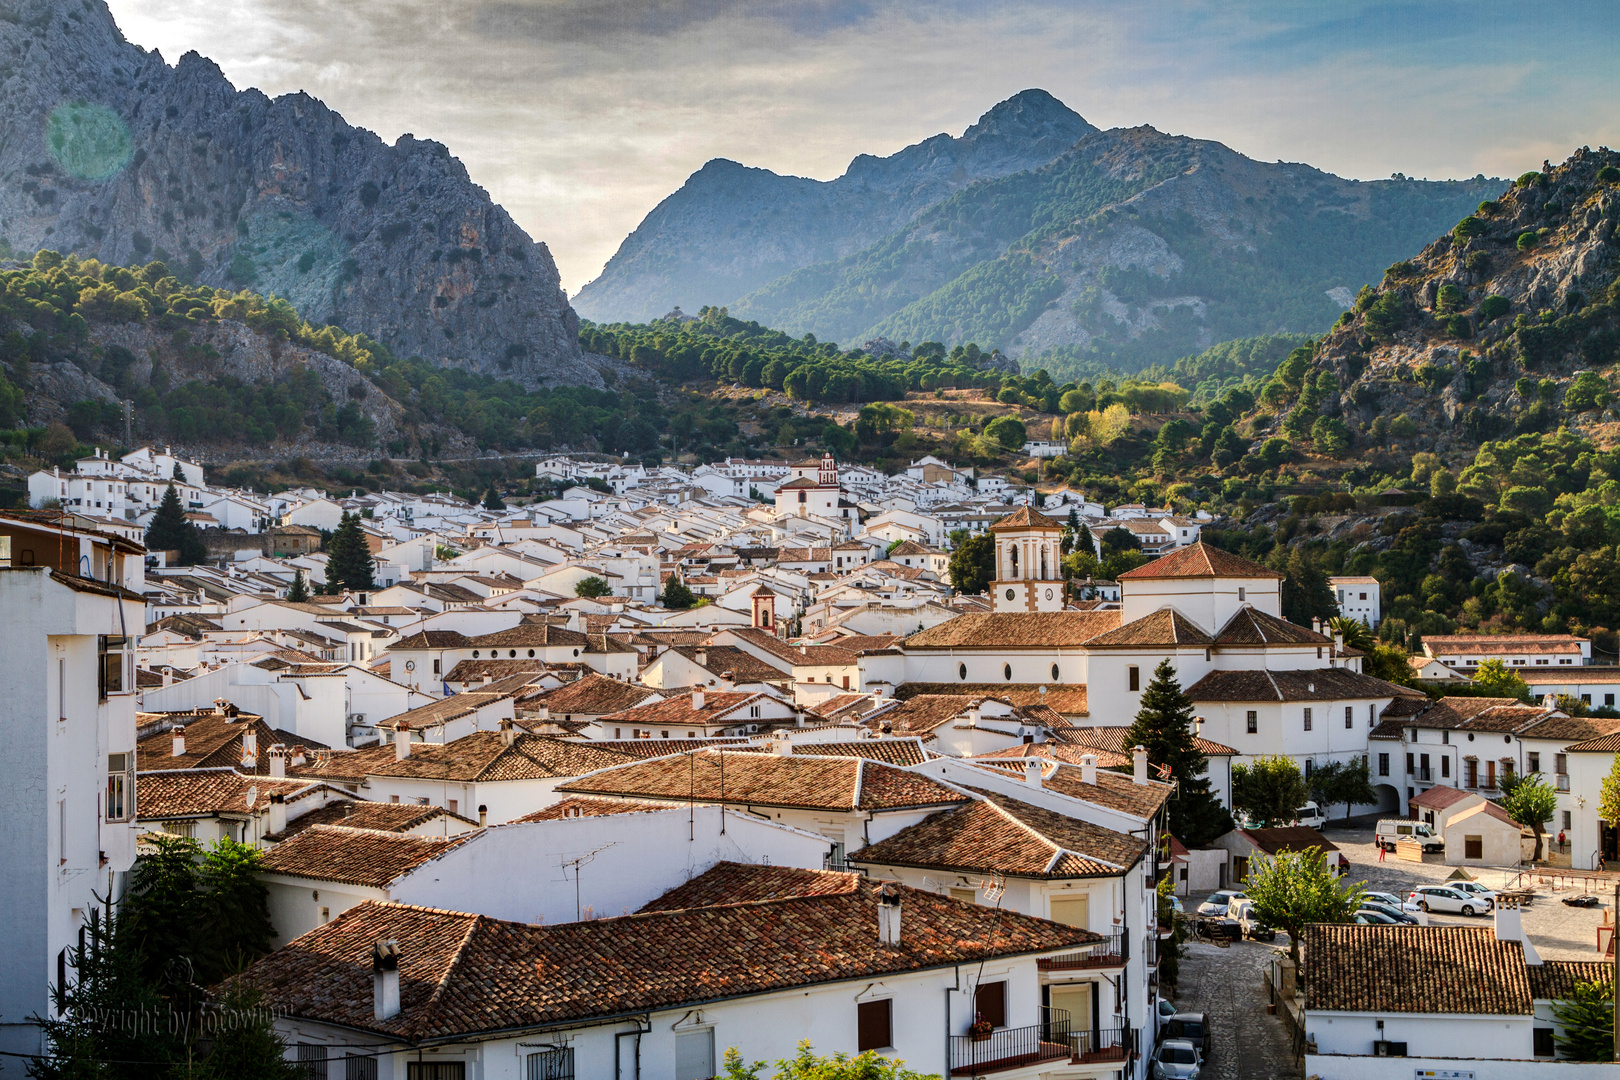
1029	550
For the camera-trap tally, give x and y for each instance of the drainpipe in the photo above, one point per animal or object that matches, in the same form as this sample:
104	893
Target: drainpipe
949	990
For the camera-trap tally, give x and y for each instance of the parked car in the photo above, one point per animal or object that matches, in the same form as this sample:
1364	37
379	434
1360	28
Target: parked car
1193	1028
1175	1059
1445	898
1166	1008
1218	902
1310	815
1383	898
1392	910
1249	925
1474	888
1368	917
1391	830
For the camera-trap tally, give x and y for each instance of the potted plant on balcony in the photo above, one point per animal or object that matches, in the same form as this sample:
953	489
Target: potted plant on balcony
981	1028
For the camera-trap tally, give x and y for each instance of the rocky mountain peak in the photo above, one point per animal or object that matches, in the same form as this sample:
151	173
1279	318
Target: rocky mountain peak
1030	114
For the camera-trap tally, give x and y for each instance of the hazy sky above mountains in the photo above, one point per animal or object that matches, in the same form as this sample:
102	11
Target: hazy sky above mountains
580	115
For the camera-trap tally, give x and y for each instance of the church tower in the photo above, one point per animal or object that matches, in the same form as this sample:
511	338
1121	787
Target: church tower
765	610
1029	550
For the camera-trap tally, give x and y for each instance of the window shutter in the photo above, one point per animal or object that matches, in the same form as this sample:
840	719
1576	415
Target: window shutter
694	1055
1071	910
990	1002
873	1025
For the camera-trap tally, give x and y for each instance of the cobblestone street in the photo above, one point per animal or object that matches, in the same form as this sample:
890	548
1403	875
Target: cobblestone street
1228	986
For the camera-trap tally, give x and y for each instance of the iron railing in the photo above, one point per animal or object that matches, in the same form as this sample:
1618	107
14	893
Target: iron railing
1013	1048
1112	951
1099	1044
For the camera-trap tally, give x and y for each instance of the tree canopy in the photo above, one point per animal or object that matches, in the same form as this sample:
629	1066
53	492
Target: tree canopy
349	564
973	564
1163	726
592	588
1269	790
170	531
1530	800
1293	889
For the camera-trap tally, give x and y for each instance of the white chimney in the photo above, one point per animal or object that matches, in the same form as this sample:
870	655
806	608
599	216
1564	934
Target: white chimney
1338	640
702	657
278	762
508	733
1139	764
168	676
278	812
483	815
782	744
219	706
1032	773
385	979
889	914
488	678
179	742
1550	702
250	749
1088	768
697	699
1510	927
402	741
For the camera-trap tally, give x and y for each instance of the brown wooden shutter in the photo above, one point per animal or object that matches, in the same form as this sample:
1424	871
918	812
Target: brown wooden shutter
990	1002
872	1019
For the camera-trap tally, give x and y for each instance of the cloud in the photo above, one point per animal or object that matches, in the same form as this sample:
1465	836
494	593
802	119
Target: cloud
580	115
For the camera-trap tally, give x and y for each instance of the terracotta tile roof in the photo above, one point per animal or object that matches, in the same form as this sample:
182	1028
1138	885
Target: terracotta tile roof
901	752
1572	728
1492	644
431	639
1566	676
844	705
923	714
464	974
1114	790
769	780
1199	560
743	667
1505	718
1113	739
1608	744
580	806
1066	699
644	749
483	756
197	793
737	883
1250	626
676	710
212	741
1026	518
766	641
1056	751
1167	626
344	766
379	816
1405	705
1554	980
369	857
1015	630
1414	969
595	695
473	671
1437	798
1009	836
1288	838
1311	684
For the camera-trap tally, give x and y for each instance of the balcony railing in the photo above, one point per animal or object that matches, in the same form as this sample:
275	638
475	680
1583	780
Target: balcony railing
1100	1044
1112	951
1013	1048
1424	775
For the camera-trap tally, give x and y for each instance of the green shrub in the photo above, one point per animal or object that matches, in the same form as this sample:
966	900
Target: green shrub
1458	326
1489	206
1493	307
1526	240
1403	427
1587	392
1468	227
1330	436
1478	262
1528	178
1450	298
1608	174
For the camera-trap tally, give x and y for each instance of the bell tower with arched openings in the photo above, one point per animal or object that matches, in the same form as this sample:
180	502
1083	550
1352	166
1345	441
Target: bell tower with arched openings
1029	552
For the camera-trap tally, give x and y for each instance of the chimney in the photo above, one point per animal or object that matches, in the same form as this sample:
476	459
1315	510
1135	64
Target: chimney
278	762
1032	773
278	811
1550	702
782	744
385	979
702	657
168	676
889	914
1510	927
508	732
402	741
1140	764
179	742
697	699
219	706
1338	641
1088	768
1316	623
488	678
483	815
250	749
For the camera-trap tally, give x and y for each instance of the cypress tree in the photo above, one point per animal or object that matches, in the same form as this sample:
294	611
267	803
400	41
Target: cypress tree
170	531
1164	727
299	592
348	564
492	499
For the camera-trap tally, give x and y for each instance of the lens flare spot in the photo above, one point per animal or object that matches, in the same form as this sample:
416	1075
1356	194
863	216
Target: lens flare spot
87	140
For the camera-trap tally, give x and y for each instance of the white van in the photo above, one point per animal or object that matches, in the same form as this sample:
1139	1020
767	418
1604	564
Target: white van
1391	830
1310	815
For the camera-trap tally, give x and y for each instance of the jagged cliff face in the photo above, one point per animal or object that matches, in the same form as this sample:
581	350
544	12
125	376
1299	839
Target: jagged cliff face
1524	289
109	152
732	229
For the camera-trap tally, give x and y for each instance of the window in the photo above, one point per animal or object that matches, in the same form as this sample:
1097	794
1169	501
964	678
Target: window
360	1067
694	1055
1006	672
990	1002
436	1070
435	667
1445	768
1307	719
1533	762
555	1064
1561	764
1072	910
110	668
61	689
1471	773
1586	699
1364	596
1566	824
1252	719
120	787
312	1061
1372	715
1608	700
1383	764
873	1025
1543	1042
1409	769
1349	717
1473	847
1133	676
1308	766
1423	766
1055	677
961	671
1241	593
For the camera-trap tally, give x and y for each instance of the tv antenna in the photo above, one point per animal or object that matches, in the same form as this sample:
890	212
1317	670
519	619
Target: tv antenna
576	862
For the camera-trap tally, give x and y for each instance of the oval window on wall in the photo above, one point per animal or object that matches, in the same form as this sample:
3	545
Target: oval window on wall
1006	672
512	653
1049	594
961	671
1054	673
1010	594
475	654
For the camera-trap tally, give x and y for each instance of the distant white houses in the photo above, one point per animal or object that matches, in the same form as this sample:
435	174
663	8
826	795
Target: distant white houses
1358	598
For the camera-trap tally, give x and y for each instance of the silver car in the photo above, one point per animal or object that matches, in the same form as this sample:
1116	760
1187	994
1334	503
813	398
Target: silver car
1220	901
1175	1059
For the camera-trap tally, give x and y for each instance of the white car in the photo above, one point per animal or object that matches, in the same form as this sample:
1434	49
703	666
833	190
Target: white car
1474	888
1219	902
1175	1059
1445	898
1383	898
1166	1008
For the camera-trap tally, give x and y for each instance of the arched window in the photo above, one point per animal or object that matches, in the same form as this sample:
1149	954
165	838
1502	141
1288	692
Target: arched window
1043	562
1012	550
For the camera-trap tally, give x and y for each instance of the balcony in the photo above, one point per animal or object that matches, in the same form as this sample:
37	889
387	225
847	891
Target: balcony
1112	951
1013	1048
1424	775
1100	1044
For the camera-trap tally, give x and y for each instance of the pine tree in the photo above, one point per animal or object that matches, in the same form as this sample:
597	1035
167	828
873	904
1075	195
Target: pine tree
493	500
348	564
1164	728
677	597
170	531
299	592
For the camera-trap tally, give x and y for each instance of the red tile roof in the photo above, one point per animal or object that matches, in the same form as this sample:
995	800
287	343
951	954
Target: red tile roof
1199	560
1015	630
1414	969
369	857
1026	518
1167	626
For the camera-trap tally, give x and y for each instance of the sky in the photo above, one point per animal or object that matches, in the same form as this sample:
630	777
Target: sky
579	116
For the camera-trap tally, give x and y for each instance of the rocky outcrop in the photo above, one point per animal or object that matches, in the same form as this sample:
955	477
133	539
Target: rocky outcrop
108	151
732	229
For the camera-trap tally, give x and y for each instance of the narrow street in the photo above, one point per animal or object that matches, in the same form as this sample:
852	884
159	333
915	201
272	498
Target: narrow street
1228	986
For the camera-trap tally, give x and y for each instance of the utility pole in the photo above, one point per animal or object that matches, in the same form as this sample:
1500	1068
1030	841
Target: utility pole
1614	980
129	412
